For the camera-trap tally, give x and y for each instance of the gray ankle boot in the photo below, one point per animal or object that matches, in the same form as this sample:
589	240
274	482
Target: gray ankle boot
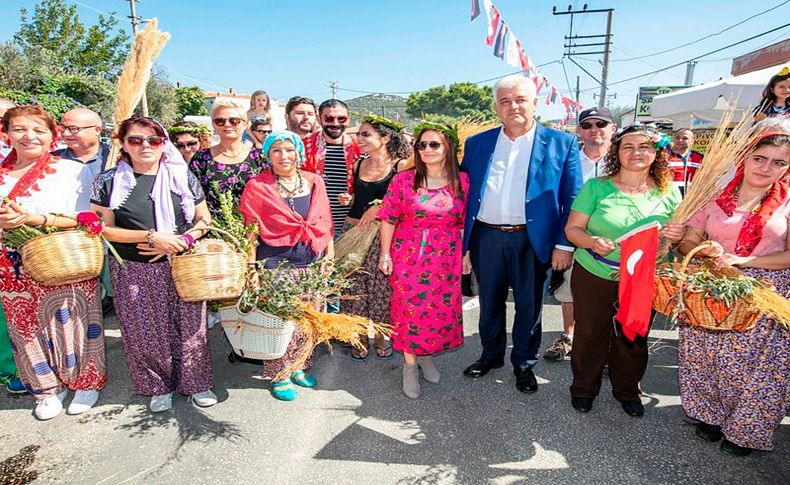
411	380
429	370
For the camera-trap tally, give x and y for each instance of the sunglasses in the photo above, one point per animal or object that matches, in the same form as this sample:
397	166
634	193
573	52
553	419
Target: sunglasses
153	141
263	132
599	124
189	144
73	129
331	119
422	145
224	121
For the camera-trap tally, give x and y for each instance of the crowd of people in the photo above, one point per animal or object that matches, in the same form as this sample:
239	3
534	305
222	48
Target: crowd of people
522	202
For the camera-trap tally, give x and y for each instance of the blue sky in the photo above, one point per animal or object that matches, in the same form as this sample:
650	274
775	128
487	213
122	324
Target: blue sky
297	47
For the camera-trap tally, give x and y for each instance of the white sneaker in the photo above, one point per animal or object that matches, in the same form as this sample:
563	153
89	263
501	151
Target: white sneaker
213	319
161	403
50	407
204	399
83	400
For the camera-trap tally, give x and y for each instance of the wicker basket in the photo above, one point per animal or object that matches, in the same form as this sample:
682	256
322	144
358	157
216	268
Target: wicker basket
63	257
697	310
256	335
210	276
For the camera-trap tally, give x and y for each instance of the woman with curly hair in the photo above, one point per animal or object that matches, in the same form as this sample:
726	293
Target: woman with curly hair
189	137
636	189
384	149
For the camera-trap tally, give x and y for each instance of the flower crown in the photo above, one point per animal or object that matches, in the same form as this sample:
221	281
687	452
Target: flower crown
660	140
373	119
450	131
784	72
192	130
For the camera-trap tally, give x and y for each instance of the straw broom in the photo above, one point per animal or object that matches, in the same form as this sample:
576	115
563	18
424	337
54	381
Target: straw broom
320	327
136	72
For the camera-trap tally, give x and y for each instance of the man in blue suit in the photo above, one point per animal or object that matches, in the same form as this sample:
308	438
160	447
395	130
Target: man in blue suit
523	179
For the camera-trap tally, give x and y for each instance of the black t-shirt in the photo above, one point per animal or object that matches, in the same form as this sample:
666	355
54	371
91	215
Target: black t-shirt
137	211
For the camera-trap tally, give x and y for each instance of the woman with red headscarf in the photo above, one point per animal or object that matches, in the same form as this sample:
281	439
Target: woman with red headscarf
737	384
56	331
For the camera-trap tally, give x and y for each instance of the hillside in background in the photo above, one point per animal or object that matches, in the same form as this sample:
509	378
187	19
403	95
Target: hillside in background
387	105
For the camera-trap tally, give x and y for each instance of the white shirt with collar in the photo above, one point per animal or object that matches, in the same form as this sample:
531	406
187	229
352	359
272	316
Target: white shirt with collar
590	168
506	186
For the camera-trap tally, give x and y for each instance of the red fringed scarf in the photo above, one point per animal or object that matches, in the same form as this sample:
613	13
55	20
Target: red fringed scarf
752	229
278	224
29	181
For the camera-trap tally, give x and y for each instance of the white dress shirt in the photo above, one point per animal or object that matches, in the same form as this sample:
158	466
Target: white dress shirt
506	186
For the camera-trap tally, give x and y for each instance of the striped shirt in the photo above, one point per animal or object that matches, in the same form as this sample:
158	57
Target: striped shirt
335	177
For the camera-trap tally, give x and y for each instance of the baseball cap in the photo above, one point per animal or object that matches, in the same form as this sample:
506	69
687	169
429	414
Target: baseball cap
596	113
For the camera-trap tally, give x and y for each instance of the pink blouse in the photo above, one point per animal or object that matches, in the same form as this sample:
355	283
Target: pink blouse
725	229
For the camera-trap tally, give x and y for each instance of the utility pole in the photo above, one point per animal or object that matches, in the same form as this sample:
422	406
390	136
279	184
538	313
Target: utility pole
690	65
571	46
135	19
578	91
333	86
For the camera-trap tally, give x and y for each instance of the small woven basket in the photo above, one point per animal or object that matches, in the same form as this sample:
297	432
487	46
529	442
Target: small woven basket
256	335
695	308
63	257
210	276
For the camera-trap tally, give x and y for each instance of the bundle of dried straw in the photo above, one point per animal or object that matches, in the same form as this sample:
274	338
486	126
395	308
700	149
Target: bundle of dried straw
136	72
320	327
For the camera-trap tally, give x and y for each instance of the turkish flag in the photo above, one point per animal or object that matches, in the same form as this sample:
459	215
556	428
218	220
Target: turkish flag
638	251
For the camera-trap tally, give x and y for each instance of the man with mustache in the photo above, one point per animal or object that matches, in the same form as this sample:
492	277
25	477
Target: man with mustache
300	115
332	153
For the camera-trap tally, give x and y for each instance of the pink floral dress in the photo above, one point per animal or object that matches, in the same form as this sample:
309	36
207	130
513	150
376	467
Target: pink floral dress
426	256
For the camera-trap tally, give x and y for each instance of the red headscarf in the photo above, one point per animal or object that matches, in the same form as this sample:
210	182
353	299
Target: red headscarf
278	224
752	230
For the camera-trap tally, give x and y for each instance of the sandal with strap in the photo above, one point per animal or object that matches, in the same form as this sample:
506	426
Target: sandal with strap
361	355
283	391
383	350
304	380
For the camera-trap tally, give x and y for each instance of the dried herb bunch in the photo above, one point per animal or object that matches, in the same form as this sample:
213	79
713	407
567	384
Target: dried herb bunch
231	220
719	288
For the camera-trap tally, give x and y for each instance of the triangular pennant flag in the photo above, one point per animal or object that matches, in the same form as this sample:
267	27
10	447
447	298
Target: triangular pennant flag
475	9
501	39
638	251
552	96
524	58
493	22
512	51
540	81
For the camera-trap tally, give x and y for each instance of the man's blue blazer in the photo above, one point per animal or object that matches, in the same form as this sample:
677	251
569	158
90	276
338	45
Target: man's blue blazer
553	180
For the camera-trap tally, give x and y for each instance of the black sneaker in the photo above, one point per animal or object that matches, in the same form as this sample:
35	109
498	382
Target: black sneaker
709	432
733	449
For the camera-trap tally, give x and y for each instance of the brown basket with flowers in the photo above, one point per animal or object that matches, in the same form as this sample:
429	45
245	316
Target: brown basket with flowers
702	298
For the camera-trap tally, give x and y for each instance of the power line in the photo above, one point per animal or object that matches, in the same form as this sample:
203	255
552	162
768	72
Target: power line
705	37
694	58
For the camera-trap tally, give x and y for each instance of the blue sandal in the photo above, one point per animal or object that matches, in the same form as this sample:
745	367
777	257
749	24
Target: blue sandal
301	379
283	390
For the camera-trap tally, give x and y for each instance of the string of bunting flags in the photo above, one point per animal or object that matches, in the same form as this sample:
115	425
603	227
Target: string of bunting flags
508	48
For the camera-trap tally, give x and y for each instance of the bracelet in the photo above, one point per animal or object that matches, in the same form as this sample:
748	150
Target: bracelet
188	239
149	238
385	257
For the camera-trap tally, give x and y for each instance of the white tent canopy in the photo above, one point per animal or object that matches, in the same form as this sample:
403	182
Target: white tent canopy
705	103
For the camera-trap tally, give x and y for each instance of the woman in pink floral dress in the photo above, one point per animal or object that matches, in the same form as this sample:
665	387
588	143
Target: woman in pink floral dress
422	218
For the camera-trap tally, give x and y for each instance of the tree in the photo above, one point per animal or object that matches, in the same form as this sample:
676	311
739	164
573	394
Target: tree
460	100
162	104
56	27
190	101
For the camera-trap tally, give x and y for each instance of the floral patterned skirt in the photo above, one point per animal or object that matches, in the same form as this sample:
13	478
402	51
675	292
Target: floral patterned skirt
371	291
739	380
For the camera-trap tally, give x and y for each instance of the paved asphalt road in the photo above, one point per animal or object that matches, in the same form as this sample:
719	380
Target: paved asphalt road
357	427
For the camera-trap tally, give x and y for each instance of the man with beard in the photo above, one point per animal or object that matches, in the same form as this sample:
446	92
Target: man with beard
332	153
595	129
300	115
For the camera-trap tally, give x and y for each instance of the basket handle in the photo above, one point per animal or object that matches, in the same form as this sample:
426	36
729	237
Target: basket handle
230	236
690	255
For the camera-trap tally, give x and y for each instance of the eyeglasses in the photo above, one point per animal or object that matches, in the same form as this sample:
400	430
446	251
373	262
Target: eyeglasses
189	144
74	129
598	124
422	145
153	141
331	119
262	132
223	121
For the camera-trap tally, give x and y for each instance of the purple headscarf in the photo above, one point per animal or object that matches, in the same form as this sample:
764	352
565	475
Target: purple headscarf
172	177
